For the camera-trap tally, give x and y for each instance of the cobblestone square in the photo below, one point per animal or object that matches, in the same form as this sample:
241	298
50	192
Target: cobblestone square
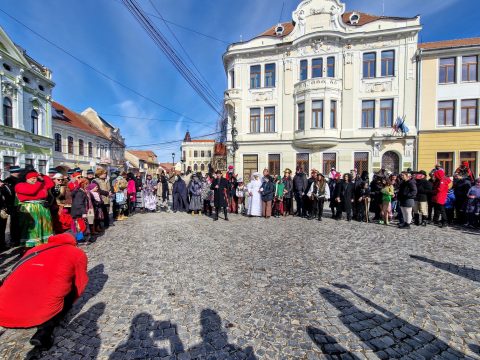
176	286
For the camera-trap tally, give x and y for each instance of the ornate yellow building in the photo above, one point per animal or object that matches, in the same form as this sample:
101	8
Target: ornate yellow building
448	104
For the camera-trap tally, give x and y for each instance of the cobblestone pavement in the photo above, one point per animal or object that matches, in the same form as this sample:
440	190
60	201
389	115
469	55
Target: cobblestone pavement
176	286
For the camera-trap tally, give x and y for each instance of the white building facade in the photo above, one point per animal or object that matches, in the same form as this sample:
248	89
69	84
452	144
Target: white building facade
197	155
25	127
323	91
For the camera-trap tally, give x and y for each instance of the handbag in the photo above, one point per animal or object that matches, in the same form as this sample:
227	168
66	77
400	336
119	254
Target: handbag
91	216
3	214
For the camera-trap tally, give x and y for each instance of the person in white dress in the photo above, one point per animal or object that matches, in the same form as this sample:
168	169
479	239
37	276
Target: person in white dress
255	200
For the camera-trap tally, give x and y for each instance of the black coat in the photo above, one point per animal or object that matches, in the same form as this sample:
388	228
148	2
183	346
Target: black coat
220	193
79	203
300	183
288	182
424	190
407	191
11	182
268	192
346	192
461	190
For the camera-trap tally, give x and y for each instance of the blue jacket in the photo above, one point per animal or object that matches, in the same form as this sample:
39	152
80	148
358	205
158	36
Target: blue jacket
450	203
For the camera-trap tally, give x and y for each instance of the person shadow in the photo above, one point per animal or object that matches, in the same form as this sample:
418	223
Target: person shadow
86	334
146	333
328	344
467	273
386	334
9	259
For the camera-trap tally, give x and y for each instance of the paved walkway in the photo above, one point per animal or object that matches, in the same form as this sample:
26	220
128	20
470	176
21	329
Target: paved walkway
176	286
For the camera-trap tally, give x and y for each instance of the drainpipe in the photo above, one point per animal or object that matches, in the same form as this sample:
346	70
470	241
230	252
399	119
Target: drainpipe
418	104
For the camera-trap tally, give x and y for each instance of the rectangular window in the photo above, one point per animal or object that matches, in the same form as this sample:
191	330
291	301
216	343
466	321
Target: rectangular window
317	114
303	70
29	162
447	71
333	114
470	68
369	65
42	166
269	119
90	149
329	162
255	120
360	160
274	164
195	153
317	68
270	75
445	160
8	161
232	79
331	67
388	63
202	153
303	162
184	155
250	165
368	114
209	153
471	158
301	116
70	145
469	112
81	147
446	113
386	113
255	73
58	142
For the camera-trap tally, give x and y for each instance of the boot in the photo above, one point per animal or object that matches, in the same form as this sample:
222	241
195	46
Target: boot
225	214
424	221
42	339
416	219
215	217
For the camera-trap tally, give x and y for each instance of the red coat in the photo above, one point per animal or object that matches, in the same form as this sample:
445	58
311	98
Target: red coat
35	291
440	187
37	191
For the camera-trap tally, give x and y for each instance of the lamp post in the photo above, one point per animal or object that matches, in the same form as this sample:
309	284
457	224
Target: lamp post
173	159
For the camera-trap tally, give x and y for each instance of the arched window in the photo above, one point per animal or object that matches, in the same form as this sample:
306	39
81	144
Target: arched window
34	117
195	167
7	112
202	167
70	145
81	147
90	149
58	142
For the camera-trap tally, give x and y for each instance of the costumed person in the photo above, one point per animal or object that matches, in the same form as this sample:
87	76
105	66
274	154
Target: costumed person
279	194
220	187
300	183
288	192
332	175
42	288
406	196
90	176
35	220
207	195
363	202
232	194
320	192
120	185
255	200
344	196
424	190
473	205
132	194
149	194
195	191
165	189
139	202
268	193
240	194
75	179
11	203
105	191
4	193
387	194
465	171
61	218
441	186
180	202
97	203
333	184
80	211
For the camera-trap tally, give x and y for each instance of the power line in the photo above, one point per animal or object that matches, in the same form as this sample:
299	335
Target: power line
174	141
108	77
160	40
212	92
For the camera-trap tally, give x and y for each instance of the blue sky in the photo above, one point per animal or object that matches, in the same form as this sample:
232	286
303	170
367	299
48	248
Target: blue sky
104	34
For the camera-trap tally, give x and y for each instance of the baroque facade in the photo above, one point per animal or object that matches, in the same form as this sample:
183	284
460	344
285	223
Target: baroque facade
197	155
25	92
322	91
449	96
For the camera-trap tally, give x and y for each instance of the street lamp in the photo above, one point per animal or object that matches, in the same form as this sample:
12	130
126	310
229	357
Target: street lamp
173	159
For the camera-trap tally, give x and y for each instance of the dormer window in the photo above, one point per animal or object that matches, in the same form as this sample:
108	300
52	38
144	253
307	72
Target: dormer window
41	88
7	67
354	18
26	80
279	30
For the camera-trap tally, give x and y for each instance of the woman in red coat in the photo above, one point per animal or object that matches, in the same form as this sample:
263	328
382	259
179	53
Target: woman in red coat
34	216
441	186
41	290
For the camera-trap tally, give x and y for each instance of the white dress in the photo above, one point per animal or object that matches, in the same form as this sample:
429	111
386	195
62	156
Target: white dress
255	201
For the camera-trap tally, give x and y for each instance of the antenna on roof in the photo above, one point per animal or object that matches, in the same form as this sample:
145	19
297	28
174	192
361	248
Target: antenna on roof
383	7
281	12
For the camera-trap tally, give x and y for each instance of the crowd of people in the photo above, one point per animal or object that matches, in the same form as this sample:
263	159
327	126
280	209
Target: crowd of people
409	198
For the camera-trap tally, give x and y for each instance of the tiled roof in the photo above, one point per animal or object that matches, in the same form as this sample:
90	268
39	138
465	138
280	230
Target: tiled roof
287	26
75	120
167	166
144	155
202	141
445	44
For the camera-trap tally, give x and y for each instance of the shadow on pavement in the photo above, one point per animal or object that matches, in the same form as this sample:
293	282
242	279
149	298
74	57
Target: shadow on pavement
146	333
328	344
386	334
467	273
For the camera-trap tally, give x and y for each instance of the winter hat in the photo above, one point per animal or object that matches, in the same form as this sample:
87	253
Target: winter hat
92	186
90	172
230	167
31	174
14	169
58	176
52	171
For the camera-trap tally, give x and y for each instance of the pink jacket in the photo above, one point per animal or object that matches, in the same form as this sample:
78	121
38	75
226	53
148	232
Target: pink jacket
132	190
